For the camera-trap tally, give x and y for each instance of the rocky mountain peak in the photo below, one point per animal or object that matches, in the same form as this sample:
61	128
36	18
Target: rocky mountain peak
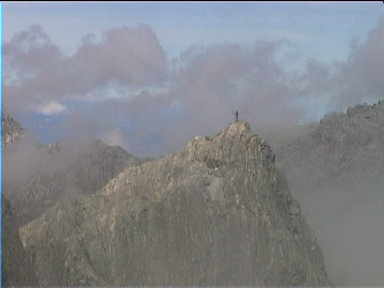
236	128
216	213
235	144
234	132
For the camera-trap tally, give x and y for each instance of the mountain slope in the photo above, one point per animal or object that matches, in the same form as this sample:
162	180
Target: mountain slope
216	213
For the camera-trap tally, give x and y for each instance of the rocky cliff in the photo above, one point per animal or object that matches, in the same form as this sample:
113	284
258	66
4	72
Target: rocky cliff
216	213
17	267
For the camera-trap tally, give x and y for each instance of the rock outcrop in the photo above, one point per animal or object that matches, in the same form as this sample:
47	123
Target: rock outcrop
216	213
12	130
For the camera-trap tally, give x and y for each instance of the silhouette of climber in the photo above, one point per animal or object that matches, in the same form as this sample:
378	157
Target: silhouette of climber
236	115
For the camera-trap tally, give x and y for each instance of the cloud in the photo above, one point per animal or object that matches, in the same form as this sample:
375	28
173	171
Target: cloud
51	108
29	53
212	82
129	67
37	72
128	83
360	78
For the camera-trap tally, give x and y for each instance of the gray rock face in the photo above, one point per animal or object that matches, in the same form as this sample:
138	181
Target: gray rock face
16	265
216	213
336	172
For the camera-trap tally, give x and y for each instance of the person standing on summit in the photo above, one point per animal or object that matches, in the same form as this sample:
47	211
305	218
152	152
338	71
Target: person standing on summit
236	115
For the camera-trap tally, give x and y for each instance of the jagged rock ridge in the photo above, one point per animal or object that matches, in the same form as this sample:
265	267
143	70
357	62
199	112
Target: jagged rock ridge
216	213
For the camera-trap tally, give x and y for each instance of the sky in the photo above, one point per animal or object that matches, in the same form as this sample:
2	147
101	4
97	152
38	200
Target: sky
182	24
150	75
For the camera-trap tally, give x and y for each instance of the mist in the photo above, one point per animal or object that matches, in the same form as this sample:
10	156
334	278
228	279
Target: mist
348	222
28	157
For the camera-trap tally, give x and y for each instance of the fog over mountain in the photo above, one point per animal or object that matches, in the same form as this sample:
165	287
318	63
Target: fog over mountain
81	124
59	171
335	170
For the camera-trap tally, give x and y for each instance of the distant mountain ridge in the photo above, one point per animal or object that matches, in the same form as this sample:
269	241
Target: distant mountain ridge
341	142
336	172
